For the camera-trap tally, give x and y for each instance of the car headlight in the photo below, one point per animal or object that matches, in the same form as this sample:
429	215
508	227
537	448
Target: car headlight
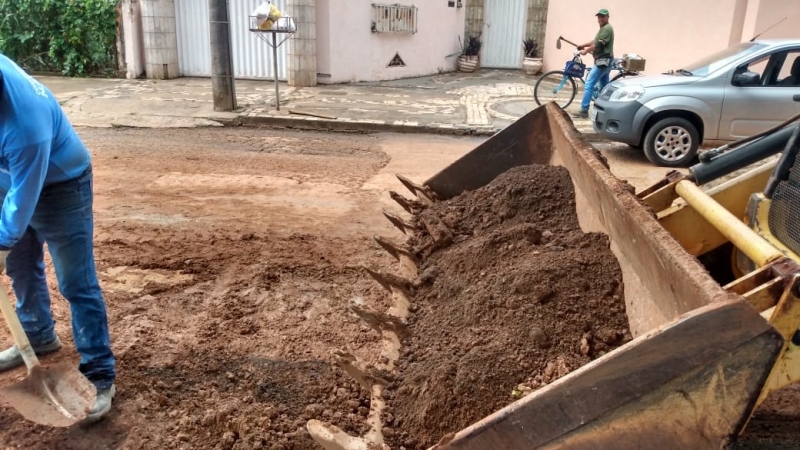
627	94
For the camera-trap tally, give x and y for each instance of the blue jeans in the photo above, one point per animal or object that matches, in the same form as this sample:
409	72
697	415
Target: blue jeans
597	74
63	219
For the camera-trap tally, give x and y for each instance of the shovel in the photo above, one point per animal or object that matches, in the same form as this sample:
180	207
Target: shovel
57	396
558	43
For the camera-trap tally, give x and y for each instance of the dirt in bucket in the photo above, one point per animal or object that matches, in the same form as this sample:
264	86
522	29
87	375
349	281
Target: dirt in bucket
513	298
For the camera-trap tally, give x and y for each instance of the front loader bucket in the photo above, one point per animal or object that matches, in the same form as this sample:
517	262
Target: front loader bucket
700	355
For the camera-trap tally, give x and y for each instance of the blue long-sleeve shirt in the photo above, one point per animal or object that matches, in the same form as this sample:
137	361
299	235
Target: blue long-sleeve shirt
38	147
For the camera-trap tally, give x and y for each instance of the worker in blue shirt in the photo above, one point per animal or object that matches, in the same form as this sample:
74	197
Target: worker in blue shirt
46	182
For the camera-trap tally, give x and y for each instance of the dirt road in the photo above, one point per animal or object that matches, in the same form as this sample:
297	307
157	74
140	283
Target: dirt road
228	259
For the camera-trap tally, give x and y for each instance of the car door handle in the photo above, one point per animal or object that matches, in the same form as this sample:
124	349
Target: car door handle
796	97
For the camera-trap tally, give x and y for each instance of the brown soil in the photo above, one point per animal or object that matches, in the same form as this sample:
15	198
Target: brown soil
522	296
228	259
775	425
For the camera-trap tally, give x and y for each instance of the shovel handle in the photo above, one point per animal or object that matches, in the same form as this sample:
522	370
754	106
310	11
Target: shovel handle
568	42
20	338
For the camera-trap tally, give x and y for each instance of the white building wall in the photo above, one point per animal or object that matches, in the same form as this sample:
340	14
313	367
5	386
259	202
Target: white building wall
349	51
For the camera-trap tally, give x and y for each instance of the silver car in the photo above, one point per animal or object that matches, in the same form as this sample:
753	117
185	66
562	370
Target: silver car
735	93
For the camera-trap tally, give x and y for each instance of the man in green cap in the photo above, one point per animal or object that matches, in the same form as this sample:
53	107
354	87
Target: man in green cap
602	48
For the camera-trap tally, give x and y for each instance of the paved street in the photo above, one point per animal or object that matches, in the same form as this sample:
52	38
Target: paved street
479	103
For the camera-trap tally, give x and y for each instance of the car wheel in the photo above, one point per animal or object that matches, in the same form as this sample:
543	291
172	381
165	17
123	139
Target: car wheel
672	142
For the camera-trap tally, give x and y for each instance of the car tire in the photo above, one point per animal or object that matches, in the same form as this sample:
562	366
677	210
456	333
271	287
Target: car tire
671	142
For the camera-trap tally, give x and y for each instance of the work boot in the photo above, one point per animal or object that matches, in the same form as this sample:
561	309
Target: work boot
102	405
582	114
11	357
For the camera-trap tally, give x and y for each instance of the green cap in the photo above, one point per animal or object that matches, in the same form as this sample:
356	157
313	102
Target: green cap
602	12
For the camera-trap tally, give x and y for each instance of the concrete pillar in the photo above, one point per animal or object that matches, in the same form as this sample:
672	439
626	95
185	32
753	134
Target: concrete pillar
302	52
160	39
133	38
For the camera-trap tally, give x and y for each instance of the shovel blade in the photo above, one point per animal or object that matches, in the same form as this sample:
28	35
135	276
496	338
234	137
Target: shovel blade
56	396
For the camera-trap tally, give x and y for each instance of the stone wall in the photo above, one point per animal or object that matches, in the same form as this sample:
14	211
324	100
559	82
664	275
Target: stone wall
537	23
474	18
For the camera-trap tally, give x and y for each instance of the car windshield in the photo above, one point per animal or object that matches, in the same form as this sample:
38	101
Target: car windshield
713	62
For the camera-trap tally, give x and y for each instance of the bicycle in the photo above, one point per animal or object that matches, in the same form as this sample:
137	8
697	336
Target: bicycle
562	82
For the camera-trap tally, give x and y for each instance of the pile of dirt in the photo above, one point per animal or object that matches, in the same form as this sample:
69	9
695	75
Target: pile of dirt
248	373
215	399
221	344
512	298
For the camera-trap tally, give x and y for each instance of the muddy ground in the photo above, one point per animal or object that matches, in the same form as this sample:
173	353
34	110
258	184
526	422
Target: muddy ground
228	258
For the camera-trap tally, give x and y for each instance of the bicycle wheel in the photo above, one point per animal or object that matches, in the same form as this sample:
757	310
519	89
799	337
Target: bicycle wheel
555	86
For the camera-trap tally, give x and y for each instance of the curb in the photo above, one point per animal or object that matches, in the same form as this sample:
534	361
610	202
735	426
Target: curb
372	126
364	125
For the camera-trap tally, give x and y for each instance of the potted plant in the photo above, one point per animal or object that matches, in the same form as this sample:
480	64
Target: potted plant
531	63
469	60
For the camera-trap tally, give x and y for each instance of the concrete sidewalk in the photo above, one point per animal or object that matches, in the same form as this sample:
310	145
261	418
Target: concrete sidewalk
479	103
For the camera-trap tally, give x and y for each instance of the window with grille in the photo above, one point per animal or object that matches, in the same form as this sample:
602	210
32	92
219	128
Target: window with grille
394	19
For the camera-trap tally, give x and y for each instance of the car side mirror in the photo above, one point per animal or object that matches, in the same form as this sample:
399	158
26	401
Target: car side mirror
746	79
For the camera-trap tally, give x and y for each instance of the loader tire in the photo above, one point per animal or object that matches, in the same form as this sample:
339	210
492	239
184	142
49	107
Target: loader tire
672	142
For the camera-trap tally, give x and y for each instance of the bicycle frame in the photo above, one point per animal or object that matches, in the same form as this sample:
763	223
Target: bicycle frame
616	65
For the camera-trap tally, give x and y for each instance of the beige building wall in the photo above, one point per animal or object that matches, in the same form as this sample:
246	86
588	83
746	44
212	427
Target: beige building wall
763	14
668	34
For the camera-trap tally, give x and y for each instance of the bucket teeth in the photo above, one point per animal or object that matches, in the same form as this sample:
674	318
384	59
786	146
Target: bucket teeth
393	249
366	375
421	192
402	224
390	325
331	437
379	321
410	206
389	281
441	235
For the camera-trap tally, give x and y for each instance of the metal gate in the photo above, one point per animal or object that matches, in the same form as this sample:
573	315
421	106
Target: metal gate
503	32
252	57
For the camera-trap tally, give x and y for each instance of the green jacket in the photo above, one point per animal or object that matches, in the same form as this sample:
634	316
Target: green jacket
606	34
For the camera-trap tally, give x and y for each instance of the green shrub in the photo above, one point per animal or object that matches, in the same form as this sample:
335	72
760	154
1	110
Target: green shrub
74	37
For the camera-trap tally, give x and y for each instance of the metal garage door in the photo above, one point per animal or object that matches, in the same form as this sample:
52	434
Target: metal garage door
252	57
503	32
